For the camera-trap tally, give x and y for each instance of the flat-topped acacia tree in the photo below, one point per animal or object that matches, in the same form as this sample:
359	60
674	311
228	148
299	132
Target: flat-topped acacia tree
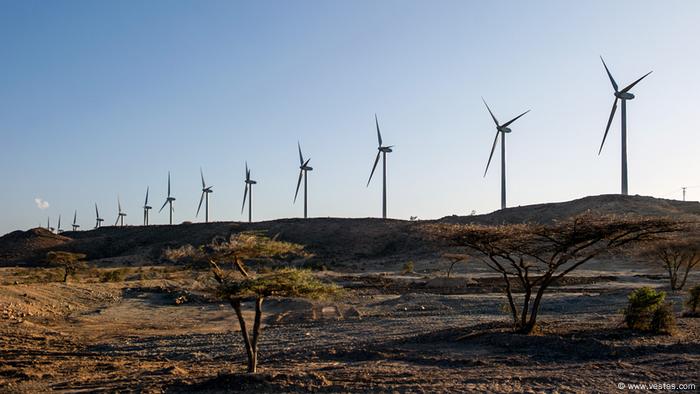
71	263
679	254
238	284
532	257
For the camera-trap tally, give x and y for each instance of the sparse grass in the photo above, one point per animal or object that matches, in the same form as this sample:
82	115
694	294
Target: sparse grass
115	275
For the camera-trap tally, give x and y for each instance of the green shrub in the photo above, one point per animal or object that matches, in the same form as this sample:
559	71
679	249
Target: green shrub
408	268
641	305
693	301
117	275
663	321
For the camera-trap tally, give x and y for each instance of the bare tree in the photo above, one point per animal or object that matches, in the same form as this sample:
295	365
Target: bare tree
238	285
679	254
70	262
532	257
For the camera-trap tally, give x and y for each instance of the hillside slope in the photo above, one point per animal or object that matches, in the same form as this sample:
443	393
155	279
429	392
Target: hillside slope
331	239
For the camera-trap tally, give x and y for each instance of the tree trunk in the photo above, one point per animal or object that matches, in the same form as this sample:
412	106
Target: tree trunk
511	302
65	275
532	321
252	361
526	305
257	328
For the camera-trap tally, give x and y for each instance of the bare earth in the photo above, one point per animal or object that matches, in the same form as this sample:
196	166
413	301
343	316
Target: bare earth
390	333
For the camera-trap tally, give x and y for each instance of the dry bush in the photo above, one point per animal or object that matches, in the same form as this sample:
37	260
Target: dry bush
663	321
693	302
71	263
532	257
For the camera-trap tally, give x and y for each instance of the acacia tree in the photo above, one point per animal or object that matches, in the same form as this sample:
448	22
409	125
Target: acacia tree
532	257
239	285
679	254
70	262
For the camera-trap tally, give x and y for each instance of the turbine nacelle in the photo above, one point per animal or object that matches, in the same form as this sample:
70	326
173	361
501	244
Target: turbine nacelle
624	95
385	149
250	182
504	129
207	190
146	207
170	199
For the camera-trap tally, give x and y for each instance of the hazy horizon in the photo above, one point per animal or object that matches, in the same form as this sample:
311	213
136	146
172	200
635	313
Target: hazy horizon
103	99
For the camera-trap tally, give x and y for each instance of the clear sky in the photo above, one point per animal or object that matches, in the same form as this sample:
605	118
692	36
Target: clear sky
103	98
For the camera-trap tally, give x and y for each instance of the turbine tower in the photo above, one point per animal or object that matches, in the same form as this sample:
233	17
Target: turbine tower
75	225
120	215
146	208
205	196
501	129
621	95
303	172
98	220
58	228
169	201
381	150
249	193
48	224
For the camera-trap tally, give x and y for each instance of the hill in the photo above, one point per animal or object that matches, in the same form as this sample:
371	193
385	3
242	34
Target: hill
330	239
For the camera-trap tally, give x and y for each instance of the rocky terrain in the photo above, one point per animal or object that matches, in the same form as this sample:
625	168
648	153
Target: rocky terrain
135	322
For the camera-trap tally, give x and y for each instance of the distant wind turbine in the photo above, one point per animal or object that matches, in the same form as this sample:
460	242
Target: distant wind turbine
303	172
75	224
381	150
120	215
146	208
622	95
205	196
501	129
249	193
58	228
169	201
98	219
48	224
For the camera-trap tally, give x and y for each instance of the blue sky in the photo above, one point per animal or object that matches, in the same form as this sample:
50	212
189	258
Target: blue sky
104	98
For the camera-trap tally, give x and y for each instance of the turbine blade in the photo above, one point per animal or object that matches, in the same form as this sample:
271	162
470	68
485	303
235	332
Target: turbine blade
245	194
492	116
119	204
612	80
514	119
75	216
379	134
607	128
306	163
630	86
97	213
493	148
301	173
301	157
374	167
164	204
115	223
146	202
204	185
200	204
168	183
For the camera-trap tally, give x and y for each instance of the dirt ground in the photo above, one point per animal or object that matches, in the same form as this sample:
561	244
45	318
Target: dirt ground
156	329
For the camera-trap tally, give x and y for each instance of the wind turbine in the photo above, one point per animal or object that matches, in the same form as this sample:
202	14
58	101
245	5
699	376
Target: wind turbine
303	172
120	216
169	201
98	220
501	129
622	95
48	224
248	192
58	228
205	196
75	225
146	208
381	150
